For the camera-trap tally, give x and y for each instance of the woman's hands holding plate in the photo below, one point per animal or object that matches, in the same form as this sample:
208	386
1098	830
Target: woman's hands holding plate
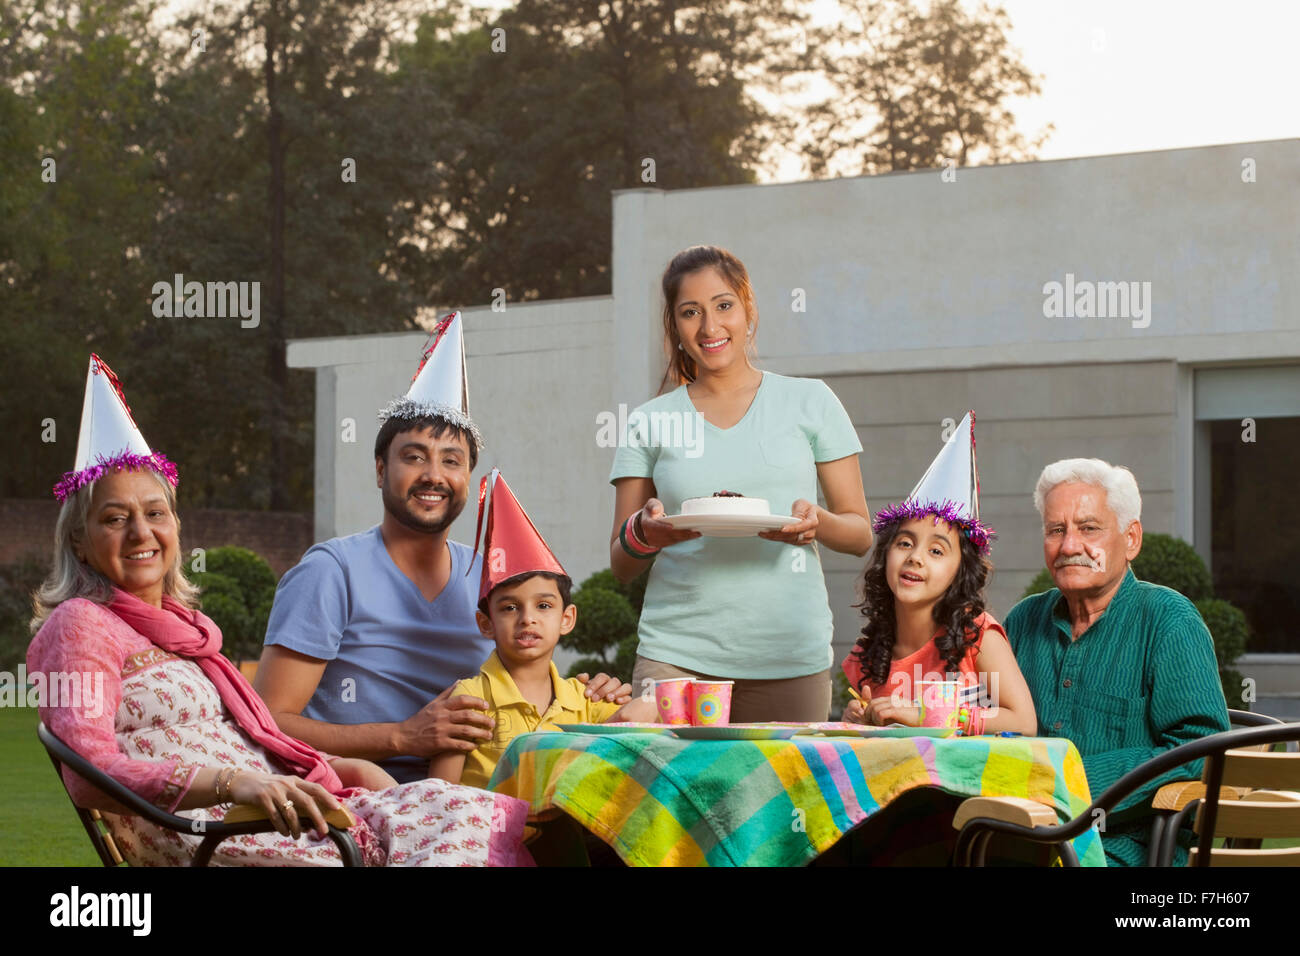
656	532
803	530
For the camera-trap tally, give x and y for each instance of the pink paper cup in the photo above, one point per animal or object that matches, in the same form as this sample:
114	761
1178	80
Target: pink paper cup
939	697
711	702
673	699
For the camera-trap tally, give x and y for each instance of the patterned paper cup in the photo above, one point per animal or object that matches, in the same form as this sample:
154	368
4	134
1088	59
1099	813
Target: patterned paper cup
940	700
673	698
711	702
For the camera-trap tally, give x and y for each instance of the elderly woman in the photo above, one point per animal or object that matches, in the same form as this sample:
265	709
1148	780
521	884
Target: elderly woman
177	723
752	611
1122	667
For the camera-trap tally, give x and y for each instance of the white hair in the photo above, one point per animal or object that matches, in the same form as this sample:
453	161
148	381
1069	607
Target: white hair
1118	482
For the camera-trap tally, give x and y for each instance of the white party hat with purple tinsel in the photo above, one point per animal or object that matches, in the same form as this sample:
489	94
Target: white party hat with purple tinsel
109	437
949	490
440	387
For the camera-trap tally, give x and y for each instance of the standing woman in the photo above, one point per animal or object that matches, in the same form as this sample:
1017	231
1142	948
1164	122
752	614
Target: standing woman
743	609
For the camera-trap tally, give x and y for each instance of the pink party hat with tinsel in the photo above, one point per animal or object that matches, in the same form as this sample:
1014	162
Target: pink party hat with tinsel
949	490
109	437
440	387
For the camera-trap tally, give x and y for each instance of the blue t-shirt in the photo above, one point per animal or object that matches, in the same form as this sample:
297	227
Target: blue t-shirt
741	608
390	651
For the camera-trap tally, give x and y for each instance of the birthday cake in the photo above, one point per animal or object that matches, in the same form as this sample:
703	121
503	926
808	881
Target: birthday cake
726	503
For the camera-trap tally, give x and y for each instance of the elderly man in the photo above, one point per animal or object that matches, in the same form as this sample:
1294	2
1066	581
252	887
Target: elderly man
1123	668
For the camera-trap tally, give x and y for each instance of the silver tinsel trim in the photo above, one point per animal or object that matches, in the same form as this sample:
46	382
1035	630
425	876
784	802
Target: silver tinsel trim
409	408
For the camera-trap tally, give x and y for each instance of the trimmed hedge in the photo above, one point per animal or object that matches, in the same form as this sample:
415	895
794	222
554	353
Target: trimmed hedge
606	630
238	588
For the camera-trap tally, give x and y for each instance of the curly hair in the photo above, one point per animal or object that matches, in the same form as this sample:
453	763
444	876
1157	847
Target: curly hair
956	611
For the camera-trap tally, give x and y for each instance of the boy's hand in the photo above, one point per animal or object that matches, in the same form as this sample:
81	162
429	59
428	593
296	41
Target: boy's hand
604	687
445	723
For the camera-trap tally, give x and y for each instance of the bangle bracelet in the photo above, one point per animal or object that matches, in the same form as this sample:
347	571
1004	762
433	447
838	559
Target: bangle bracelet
638	532
632	544
639	555
636	536
223	780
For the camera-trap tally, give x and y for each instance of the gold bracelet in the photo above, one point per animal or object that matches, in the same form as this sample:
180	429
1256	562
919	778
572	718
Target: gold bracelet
224	778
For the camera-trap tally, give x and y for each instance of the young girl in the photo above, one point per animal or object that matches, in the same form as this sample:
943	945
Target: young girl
923	598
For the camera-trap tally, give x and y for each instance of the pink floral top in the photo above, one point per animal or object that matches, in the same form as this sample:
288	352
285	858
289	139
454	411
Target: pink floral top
159	719
151	720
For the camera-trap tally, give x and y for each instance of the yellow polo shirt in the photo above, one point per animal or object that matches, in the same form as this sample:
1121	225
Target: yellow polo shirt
515	716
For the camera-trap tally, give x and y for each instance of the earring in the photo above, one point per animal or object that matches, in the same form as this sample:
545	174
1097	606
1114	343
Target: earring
680	347
751	328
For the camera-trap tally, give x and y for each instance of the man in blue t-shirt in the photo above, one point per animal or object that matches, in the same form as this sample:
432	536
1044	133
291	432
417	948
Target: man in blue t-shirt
369	632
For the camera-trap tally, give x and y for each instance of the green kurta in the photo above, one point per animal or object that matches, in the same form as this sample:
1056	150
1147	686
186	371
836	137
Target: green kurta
1141	680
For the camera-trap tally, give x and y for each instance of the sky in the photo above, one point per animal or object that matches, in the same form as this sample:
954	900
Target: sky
1122	76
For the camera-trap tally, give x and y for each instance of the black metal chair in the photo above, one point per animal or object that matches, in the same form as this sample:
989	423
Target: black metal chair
62	755
979	818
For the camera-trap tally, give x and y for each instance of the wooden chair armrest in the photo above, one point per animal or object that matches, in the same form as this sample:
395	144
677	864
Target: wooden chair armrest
1018	810
245	812
1176	795
1272	796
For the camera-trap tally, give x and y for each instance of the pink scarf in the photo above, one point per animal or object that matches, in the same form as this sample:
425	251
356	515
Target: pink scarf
193	635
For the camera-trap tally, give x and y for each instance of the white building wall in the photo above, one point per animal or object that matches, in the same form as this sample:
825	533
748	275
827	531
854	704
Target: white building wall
923	298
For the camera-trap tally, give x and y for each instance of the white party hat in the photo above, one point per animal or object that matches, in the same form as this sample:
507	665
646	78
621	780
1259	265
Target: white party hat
109	436
949	489
440	387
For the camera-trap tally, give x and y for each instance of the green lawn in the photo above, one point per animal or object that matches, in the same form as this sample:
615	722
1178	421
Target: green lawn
38	826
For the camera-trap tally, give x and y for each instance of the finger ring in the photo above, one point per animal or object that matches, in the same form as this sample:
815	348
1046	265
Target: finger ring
286	806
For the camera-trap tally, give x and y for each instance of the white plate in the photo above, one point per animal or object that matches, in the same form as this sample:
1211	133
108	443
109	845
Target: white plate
861	730
735	732
729	526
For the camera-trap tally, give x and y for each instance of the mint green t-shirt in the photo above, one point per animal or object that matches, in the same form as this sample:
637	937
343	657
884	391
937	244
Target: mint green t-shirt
745	608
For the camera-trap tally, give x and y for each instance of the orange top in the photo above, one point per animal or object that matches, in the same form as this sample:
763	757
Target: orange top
924	664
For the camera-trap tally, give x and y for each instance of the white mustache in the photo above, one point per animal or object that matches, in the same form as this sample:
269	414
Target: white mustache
1083	561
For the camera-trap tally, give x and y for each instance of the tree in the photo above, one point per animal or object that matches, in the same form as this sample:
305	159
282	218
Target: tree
559	103
916	89
288	156
608	612
76	90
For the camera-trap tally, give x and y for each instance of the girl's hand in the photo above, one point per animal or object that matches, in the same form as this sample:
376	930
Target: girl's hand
884	710
656	532
354	772
855	713
285	799
803	530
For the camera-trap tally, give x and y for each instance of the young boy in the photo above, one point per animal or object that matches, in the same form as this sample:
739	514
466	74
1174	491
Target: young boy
525	607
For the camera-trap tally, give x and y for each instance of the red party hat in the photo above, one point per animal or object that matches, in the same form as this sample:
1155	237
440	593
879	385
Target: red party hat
513	545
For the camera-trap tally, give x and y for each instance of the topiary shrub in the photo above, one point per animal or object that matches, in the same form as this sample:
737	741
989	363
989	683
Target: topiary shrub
1230	631
1174	563
606	630
238	588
